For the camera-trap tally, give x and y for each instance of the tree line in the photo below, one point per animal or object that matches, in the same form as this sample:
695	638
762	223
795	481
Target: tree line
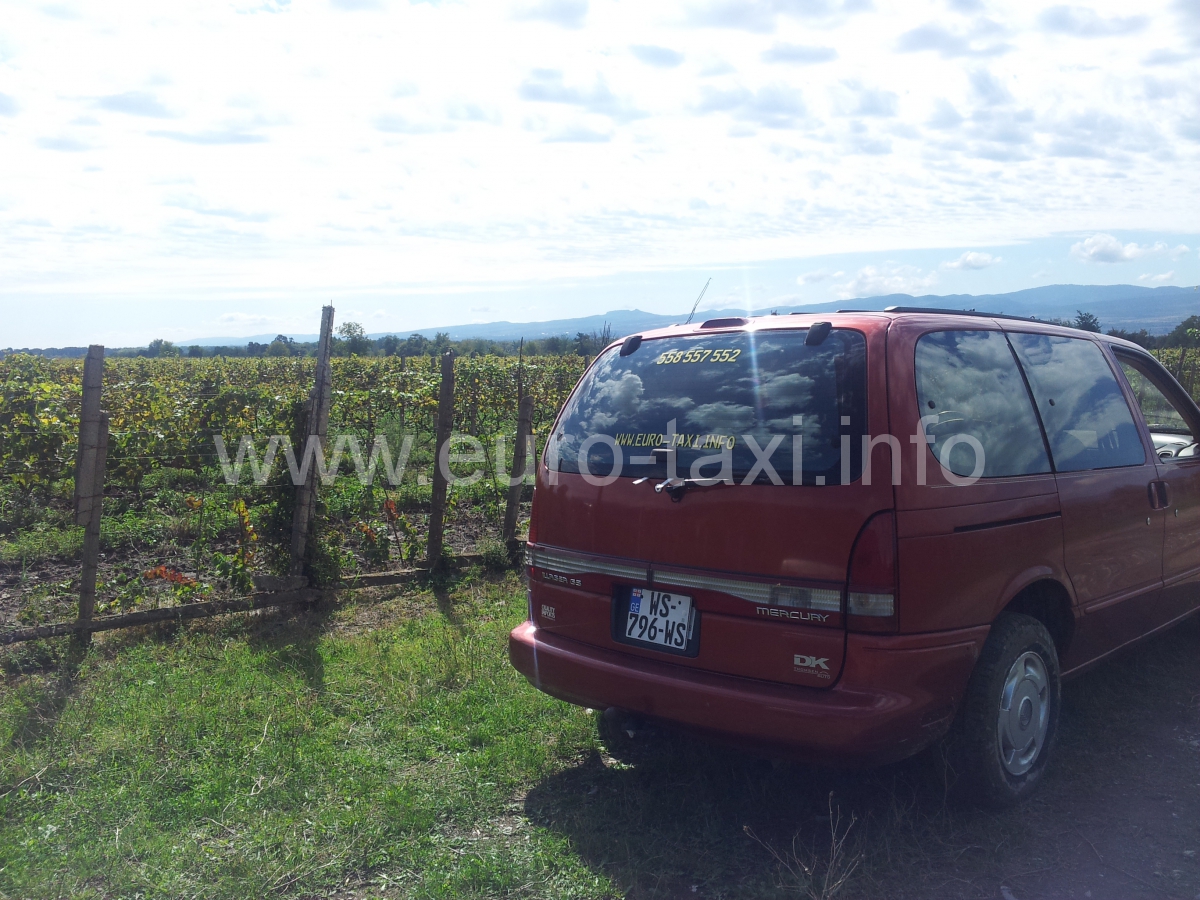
1184	335
351	340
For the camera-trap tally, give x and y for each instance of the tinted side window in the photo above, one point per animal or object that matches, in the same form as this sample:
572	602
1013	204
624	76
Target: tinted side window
1170	418
1160	413
971	382
1087	420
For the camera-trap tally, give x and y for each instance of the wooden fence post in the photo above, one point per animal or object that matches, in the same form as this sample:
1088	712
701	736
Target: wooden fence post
89	479
316	425
520	467
520	370
441	464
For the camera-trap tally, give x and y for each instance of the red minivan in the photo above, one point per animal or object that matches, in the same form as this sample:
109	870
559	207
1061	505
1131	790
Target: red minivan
835	537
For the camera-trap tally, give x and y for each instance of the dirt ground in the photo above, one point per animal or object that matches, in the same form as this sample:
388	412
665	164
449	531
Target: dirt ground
53	584
1120	816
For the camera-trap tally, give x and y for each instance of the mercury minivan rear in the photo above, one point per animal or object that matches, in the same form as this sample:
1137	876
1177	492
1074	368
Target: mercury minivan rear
706	547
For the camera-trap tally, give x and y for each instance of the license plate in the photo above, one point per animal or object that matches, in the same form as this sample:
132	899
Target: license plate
659	619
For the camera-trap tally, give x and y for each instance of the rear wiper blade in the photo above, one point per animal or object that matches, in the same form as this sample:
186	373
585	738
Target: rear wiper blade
677	487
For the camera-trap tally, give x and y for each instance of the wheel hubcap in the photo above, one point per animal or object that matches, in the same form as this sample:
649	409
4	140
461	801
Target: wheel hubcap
1024	713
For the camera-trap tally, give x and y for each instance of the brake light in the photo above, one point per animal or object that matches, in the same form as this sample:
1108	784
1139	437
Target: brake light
871	587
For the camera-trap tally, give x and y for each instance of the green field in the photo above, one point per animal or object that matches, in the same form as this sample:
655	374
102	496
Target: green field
383	747
283	756
167	500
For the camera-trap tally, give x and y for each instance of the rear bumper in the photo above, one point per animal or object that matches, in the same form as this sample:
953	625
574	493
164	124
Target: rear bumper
896	695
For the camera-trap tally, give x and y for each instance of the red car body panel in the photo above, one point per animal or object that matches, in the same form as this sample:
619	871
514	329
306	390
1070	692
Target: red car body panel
1181	562
963	553
892	701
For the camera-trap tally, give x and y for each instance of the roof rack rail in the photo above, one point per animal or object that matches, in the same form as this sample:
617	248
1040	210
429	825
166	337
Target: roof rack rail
944	312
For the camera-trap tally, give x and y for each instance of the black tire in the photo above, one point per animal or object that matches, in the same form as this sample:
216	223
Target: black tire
1001	761
608	725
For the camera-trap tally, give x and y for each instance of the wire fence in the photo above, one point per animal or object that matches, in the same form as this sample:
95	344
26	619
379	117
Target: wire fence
177	528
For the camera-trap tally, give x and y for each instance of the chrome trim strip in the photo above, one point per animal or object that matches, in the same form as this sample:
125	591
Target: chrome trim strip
567	563
822	599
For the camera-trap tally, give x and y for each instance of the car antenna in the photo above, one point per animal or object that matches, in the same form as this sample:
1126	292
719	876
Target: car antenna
697	303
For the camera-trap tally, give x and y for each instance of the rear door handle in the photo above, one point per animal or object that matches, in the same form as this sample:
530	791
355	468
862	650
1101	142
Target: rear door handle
1159	495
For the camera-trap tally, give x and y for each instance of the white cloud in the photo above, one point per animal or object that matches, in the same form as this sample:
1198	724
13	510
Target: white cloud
949	43
470	146
549	86
211	138
564	13
1188	14
945	116
972	260
652	55
799	54
1165	57
244	319
990	89
1081	21
1156	279
578	134
466	111
851	98
1104	248
196	205
747	15
60	11
761	15
64	144
772	106
817	277
876	281
134	103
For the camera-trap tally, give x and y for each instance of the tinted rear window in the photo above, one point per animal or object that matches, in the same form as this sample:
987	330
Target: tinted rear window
718	394
971	383
1088	422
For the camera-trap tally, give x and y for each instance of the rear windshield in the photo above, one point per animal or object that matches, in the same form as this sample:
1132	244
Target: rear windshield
733	406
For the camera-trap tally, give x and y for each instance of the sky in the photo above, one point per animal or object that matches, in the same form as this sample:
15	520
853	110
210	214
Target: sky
199	169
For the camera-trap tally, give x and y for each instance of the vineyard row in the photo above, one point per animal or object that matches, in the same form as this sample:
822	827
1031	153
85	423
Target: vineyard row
166	413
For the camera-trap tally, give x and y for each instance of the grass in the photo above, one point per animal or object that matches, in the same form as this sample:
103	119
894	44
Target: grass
386	748
203	763
38	544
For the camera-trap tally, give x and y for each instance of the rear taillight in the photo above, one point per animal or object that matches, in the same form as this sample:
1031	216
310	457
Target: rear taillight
871	587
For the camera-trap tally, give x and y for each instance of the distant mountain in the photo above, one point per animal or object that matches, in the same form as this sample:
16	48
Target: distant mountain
622	321
1130	307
